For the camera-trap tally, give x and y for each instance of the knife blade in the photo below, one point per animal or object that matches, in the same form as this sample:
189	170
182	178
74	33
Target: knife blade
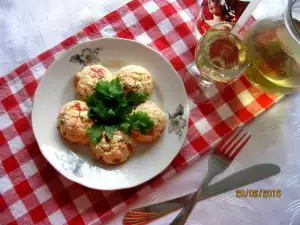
236	180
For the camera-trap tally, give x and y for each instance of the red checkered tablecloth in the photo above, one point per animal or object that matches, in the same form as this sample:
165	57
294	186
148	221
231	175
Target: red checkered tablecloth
32	192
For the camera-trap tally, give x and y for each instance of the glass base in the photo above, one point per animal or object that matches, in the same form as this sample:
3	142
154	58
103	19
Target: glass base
193	70
205	83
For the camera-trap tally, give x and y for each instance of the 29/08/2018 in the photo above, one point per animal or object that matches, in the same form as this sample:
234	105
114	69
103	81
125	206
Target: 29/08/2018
256	193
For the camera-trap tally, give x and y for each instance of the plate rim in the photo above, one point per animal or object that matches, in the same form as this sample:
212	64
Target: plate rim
61	55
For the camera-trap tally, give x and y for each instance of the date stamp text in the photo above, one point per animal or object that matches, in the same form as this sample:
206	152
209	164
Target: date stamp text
258	193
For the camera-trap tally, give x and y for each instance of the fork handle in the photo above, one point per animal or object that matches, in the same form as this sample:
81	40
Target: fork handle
186	211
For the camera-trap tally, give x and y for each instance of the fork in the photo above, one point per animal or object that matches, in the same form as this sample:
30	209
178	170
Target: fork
220	159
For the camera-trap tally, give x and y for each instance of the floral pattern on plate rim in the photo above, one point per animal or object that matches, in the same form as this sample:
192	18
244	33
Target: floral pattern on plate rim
176	121
87	56
71	162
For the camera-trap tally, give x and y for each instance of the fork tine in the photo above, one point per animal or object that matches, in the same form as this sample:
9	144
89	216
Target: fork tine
133	213
136	217
240	148
220	146
234	143
138	221
139	218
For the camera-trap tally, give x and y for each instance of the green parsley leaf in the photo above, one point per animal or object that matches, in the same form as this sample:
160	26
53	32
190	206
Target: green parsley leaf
90	100
100	109
123	101
138	121
111	113
126	127
110	89
103	88
136	98
115	87
142	122
95	132
109	131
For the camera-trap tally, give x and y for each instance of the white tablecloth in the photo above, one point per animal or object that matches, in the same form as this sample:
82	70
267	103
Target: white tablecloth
30	27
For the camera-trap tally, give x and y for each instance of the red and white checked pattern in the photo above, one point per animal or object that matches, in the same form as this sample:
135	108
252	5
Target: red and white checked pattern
32	192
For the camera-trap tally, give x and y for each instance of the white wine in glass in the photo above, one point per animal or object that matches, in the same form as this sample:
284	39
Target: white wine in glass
220	55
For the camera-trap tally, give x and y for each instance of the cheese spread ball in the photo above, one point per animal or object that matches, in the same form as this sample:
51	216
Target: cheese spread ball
135	79
114	151
86	80
72	122
158	117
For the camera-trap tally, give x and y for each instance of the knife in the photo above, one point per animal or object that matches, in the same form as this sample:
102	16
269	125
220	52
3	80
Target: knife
244	177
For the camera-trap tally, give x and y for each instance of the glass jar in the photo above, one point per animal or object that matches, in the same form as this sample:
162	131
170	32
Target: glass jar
274	40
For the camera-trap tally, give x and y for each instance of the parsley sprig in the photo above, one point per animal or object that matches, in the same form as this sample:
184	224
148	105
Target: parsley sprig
138	121
95	132
111	109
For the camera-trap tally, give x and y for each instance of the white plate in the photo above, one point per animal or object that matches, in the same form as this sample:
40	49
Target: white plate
74	161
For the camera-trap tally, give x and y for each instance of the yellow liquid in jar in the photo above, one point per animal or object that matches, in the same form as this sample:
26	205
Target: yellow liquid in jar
272	69
260	81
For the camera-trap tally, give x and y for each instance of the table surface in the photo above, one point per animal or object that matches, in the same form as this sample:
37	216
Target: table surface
30	27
